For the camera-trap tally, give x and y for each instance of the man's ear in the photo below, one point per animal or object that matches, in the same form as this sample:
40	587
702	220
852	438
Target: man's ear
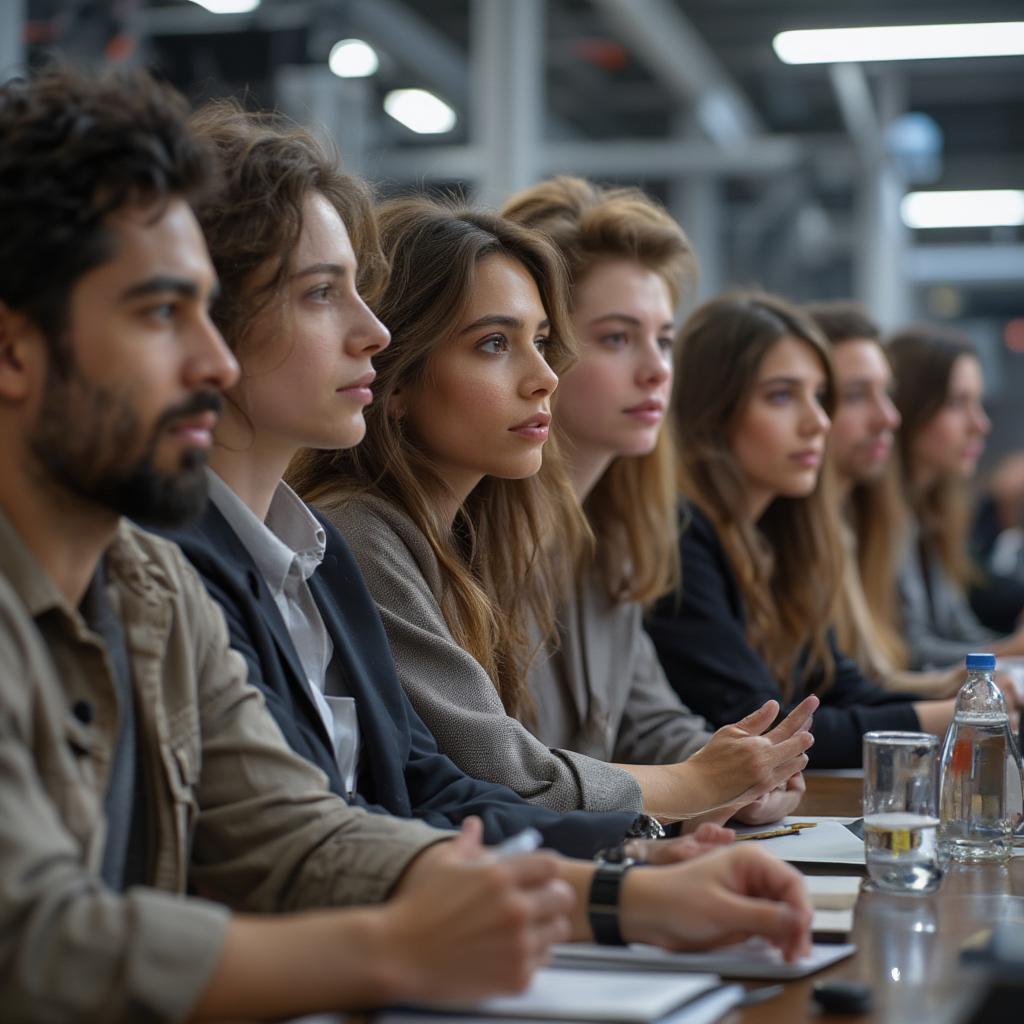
21	352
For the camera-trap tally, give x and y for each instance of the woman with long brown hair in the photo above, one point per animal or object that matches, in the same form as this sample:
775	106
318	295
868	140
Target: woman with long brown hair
600	689
939	392
464	539
759	542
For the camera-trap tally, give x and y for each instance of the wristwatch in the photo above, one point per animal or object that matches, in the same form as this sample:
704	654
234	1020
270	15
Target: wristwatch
644	826
603	903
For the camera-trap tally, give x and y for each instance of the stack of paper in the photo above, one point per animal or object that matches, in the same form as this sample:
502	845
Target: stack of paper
833	898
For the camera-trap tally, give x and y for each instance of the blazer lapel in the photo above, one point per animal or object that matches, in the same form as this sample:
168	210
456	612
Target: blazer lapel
228	545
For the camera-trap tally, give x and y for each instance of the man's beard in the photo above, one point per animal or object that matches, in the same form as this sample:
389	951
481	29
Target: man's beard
82	431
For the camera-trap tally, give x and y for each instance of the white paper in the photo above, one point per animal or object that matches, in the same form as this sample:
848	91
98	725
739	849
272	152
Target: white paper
583	995
752	959
829	842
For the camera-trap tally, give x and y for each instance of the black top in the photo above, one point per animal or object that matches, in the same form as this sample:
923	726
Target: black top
701	637
401	771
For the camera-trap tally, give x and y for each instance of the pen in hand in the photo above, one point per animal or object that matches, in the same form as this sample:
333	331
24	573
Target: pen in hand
522	842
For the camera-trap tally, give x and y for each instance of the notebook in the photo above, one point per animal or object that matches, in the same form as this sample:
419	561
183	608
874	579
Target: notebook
754	959
615	997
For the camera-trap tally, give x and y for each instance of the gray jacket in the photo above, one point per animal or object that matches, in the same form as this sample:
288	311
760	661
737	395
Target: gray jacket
603	692
450	690
938	624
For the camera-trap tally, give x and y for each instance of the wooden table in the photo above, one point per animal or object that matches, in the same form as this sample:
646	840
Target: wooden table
908	946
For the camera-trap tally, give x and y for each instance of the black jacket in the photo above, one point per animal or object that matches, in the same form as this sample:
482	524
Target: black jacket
401	771
701	637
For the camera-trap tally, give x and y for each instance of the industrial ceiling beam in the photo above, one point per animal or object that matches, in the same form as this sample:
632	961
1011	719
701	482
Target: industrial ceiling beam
632	159
664	39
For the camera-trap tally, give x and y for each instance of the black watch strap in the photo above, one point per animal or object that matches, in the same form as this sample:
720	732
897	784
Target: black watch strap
603	903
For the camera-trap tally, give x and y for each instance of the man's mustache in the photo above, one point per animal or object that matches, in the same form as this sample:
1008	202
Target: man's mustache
200	401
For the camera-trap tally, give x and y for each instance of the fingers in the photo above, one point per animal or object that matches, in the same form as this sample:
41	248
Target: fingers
780	909
758	721
777	922
531	869
792	748
796	783
469	840
798	719
709	833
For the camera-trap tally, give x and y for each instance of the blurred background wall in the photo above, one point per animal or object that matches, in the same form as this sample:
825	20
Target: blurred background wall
790	175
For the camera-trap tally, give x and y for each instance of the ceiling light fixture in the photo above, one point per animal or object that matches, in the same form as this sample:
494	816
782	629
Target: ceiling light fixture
900	42
228	6
420	111
982	208
353	58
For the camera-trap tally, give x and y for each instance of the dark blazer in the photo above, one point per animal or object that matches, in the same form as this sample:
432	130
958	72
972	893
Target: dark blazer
700	634
401	771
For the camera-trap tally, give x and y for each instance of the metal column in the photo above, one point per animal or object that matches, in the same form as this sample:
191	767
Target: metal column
696	202
12	38
507	77
881	256
313	96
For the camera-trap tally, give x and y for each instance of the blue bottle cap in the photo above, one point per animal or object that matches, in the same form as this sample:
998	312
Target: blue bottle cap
982	661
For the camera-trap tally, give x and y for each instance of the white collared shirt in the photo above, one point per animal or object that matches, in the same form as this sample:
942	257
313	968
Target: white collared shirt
287	549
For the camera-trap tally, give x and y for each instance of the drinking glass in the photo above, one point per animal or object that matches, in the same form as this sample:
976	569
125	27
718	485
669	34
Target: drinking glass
900	810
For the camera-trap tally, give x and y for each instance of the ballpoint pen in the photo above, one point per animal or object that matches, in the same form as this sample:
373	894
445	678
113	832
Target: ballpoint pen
785	830
522	842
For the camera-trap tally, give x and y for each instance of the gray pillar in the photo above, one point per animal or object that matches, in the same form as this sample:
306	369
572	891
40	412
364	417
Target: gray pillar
315	97
880	278
12	38
696	202
507	79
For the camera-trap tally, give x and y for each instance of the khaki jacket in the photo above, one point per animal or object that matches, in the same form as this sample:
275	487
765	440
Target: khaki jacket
233	813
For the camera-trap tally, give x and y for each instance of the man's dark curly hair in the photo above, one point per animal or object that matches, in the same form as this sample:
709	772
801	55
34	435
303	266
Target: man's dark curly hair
75	147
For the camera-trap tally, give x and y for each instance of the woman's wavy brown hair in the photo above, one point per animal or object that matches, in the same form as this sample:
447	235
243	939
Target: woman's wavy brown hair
922	358
269	166
500	570
632	508
788	564
875	512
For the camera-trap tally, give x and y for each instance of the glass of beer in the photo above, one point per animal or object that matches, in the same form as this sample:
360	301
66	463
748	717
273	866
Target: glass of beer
901	785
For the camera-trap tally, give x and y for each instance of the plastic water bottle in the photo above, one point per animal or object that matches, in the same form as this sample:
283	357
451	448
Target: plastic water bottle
981	795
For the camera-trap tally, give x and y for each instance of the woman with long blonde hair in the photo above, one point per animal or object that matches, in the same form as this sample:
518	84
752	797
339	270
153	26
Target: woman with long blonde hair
465	534
760	546
600	688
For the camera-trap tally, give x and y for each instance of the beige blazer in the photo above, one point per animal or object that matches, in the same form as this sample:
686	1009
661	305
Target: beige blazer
603	692
449	689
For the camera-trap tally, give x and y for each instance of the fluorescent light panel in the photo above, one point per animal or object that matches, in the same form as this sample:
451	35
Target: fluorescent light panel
228	6
420	111
353	58
991	208
900	42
